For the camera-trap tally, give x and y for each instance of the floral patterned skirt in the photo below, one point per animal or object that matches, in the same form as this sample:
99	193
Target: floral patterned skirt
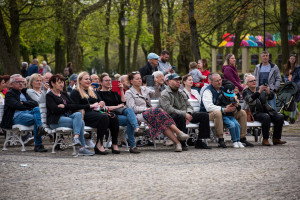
158	121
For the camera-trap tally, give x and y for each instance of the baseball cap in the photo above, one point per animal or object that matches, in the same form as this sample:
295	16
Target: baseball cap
174	76
73	77
152	56
229	90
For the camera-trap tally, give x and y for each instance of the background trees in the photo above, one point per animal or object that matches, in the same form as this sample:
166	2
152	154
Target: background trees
89	33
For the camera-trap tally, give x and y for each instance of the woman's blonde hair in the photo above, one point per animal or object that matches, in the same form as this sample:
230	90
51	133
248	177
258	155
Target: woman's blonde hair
227	59
32	78
81	90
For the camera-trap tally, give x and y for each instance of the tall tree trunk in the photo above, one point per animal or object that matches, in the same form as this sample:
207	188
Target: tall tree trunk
185	53
106	57
194	32
156	10
128	65
170	29
60	59
149	14
9	60
138	33
122	39
15	28
238	32
284	31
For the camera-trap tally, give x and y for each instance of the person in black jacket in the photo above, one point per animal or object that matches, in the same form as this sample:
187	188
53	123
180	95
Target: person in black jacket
61	112
21	109
85	95
228	98
151	65
256	98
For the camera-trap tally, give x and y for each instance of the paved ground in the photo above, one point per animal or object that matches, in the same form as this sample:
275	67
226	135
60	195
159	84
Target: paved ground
250	173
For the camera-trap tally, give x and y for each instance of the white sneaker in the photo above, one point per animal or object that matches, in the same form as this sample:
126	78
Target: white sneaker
178	148
89	144
240	144
235	145
182	136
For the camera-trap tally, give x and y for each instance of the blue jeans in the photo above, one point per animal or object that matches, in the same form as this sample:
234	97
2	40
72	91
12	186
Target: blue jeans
75	122
233	126
272	102
28	118
293	114
129	120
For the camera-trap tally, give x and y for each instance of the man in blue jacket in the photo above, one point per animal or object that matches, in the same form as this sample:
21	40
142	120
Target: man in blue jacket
33	68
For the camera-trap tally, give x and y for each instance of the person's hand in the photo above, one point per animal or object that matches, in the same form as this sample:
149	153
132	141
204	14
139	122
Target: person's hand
187	122
120	85
197	85
261	88
46	86
188	117
169	70
121	105
268	89
101	104
229	108
94	105
235	104
61	105
204	77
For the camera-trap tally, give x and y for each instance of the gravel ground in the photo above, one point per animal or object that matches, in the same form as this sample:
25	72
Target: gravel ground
249	173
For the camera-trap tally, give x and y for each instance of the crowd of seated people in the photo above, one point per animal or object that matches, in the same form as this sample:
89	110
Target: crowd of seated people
79	100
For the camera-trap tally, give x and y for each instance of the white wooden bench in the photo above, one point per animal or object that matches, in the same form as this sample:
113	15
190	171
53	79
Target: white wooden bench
14	135
196	106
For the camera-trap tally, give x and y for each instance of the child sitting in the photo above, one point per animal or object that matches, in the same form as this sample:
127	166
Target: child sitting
228	97
197	76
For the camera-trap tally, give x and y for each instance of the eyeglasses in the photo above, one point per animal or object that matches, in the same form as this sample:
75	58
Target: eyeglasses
107	80
19	82
252	81
136	72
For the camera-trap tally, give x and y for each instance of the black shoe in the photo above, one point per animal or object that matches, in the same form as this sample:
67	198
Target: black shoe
134	150
42	131
184	146
201	145
40	149
115	151
247	144
97	151
222	143
292	120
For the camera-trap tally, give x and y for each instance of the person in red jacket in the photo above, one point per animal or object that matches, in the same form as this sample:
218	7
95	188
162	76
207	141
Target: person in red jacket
230	72
202	66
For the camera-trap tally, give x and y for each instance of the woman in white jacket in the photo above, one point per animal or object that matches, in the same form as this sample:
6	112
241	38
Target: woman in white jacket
35	88
187	82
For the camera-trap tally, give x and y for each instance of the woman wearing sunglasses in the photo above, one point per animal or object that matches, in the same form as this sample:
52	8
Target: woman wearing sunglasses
138	98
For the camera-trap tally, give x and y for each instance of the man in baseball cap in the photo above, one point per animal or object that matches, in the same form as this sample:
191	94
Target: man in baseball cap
150	66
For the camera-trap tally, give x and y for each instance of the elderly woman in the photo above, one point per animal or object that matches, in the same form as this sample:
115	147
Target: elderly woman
61	112
116	104
138	98
230	72
84	95
187	82
256	99
35	91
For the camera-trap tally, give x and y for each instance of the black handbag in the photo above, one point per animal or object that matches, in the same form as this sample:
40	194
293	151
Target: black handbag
120	111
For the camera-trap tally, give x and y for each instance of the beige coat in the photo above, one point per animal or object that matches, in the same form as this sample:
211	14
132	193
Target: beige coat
137	102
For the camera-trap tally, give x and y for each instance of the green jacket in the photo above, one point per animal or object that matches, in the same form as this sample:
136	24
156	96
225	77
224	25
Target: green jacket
175	102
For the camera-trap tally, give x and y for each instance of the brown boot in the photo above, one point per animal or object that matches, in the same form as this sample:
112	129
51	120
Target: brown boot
265	142
278	141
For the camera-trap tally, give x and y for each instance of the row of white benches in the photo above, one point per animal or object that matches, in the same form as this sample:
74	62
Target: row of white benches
14	135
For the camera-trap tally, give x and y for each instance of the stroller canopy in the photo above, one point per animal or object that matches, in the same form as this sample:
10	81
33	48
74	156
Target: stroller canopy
287	92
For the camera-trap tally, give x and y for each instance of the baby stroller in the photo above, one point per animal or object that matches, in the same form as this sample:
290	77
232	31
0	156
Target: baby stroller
286	97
